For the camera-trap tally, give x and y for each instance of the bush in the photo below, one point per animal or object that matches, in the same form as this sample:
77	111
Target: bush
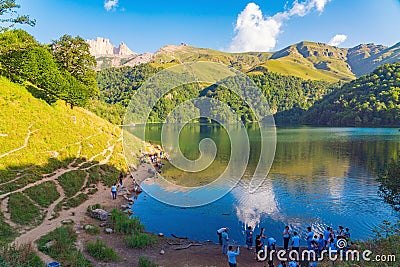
100	251
124	224
140	240
146	262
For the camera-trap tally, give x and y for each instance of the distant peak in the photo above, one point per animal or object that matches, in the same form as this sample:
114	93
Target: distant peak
103	47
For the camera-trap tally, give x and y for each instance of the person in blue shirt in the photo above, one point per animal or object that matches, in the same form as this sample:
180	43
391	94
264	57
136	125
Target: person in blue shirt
347	236
293	263
321	244
296	242
286	238
249	237
332	247
327	233
225	240
114	191
283	264
309	238
232	256
271	244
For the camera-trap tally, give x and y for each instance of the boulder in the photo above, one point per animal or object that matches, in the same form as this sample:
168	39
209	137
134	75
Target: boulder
160	234
99	214
88	227
162	252
67	221
109	231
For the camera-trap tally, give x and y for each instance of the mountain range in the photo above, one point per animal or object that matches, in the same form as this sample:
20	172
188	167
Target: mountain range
307	60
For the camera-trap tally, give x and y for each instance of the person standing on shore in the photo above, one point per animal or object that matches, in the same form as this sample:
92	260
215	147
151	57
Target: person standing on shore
286	238
219	233
249	237
225	240
232	256
309	238
296	242
114	191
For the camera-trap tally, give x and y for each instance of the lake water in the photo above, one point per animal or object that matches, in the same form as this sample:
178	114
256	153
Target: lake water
320	177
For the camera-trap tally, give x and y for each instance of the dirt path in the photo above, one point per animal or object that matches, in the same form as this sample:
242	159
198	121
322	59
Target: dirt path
76	214
26	141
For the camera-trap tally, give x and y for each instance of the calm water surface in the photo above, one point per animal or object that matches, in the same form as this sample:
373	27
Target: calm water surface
320	177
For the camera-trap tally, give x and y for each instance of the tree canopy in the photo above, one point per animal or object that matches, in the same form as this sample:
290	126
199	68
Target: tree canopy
371	100
22	60
9	16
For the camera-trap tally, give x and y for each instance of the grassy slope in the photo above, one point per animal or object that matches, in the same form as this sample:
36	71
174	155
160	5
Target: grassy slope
59	136
287	64
58	131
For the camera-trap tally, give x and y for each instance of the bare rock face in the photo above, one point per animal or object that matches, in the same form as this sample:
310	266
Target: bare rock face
100	47
103	47
107	55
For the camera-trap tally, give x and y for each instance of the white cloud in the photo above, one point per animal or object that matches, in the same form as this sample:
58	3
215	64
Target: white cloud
337	39
110	4
256	32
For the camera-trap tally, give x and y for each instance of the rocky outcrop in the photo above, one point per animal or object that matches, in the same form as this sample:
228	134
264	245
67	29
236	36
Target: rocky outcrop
107	55
103	47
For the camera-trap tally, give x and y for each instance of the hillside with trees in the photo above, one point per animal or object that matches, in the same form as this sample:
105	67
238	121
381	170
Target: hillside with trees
50	72
371	100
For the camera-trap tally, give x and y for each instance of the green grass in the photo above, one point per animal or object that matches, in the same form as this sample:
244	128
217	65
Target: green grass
63	248
21	256
72	182
22	210
94	230
146	262
140	240
75	201
7	233
44	194
101	251
58	131
123	224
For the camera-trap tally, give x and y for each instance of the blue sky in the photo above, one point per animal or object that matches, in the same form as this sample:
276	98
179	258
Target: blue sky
265	25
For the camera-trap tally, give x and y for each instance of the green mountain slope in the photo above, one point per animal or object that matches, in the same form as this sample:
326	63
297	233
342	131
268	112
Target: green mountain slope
42	143
371	100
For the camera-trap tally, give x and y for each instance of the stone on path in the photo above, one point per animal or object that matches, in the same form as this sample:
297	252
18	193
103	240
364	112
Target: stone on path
99	214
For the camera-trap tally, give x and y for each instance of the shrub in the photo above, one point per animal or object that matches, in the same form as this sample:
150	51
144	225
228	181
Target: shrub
140	240
124	224
146	262
100	251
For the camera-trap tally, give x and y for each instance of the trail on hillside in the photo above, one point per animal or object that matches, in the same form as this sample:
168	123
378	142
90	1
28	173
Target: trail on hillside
77	214
26	141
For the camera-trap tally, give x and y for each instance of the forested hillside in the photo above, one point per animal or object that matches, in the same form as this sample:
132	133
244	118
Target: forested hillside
371	100
118	85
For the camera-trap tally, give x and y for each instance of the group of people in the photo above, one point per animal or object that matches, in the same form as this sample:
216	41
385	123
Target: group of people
317	242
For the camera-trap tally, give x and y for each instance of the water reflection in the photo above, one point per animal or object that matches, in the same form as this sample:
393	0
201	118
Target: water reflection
320	177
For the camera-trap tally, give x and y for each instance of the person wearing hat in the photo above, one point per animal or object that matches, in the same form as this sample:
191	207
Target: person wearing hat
219	233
